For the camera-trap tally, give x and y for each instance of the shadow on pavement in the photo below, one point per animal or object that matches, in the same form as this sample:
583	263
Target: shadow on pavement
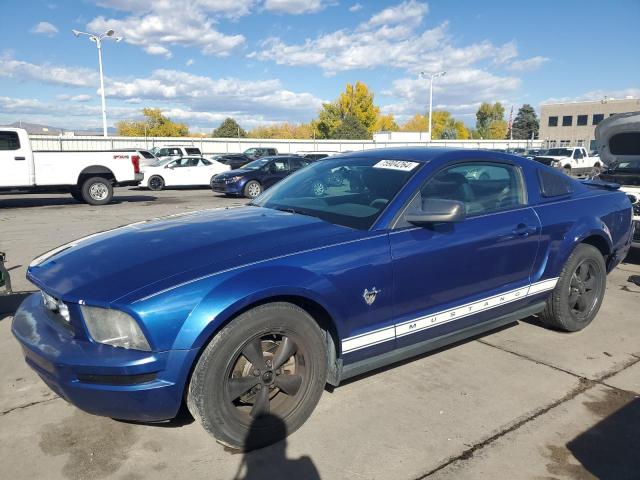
271	462
30	202
10	303
633	256
611	448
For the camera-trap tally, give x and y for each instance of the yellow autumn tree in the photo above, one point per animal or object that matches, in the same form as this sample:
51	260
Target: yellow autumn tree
357	100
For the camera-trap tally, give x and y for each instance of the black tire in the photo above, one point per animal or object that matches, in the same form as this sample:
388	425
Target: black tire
577	297
77	195
225	371
567	169
252	189
97	191
155	183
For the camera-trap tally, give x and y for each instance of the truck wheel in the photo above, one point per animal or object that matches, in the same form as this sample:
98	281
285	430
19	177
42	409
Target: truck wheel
252	189
77	195
156	183
97	191
595	170
575	301
567	169
260	377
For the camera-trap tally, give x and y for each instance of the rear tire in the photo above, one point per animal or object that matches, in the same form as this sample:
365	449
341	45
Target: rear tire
260	377
97	191
155	183
577	297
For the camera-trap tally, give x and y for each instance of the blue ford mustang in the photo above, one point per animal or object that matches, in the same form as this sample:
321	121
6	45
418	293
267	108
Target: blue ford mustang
246	311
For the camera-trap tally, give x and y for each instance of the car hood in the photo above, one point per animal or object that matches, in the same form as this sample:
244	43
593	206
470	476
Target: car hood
235	173
610	126
106	266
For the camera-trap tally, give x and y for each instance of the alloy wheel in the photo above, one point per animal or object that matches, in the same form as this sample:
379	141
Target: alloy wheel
98	191
266	377
584	289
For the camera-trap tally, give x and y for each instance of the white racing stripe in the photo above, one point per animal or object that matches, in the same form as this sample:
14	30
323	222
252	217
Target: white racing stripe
422	323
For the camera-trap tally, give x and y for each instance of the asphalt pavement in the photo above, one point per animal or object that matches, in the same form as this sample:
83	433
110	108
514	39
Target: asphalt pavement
523	402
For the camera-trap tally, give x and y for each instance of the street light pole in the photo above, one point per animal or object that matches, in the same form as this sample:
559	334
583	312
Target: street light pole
97	39
431	77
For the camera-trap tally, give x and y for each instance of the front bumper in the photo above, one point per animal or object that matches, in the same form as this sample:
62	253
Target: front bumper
100	379
228	188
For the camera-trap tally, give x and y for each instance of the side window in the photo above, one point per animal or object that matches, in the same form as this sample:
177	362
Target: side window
194	162
298	163
175	151
481	186
9	141
163	152
204	161
278	166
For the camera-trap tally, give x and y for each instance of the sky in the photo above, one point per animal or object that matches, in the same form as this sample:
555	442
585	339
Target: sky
269	61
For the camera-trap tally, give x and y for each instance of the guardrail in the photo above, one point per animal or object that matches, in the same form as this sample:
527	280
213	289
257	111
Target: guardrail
211	146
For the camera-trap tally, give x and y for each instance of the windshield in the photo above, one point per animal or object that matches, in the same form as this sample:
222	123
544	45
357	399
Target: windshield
256	164
559	152
352	192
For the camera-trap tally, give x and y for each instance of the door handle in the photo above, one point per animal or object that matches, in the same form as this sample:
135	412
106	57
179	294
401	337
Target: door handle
19	158
524	230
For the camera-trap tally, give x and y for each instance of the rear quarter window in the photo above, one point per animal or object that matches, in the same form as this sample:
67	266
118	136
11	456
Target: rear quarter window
625	143
192	151
554	184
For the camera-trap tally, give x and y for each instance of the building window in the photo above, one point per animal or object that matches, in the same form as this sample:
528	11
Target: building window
580	143
597	118
567	120
582	120
565	143
553	121
611	114
592	145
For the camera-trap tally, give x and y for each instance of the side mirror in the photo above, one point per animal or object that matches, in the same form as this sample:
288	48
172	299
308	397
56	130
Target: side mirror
437	211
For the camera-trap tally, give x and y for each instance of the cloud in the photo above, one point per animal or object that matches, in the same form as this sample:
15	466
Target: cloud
459	91
595	95
190	62
157	26
265	97
294	7
389	38
528	64
74	98
356	7
45	28
48	73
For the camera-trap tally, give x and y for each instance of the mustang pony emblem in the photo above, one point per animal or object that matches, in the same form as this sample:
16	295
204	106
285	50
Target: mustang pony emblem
370	295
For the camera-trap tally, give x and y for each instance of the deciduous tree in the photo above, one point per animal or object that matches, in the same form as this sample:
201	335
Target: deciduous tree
351	129
154	124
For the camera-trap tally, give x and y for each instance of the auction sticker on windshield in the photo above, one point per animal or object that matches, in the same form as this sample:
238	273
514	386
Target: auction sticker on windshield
396	165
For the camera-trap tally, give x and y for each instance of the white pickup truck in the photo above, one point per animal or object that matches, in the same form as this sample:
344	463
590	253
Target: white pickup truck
89	176
573	160
175	151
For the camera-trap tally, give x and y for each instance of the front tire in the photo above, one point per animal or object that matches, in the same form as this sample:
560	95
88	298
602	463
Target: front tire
577	297
97	191
269	362
252	189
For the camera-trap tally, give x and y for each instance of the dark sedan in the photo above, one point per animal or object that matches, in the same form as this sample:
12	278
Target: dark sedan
255	177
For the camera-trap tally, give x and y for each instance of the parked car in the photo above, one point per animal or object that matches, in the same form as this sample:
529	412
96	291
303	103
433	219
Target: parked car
573	160
185	171
255	177
618	140
147	158
176	151
233	160
252	310
88	176
316	155
531	154
259	152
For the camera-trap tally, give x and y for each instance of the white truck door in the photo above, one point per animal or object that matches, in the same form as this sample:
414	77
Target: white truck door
15	160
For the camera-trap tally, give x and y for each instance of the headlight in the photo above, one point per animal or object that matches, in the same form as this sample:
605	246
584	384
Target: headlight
56	306
114	327
233	179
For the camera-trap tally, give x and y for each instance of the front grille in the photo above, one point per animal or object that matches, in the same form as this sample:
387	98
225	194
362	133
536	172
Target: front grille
544	161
